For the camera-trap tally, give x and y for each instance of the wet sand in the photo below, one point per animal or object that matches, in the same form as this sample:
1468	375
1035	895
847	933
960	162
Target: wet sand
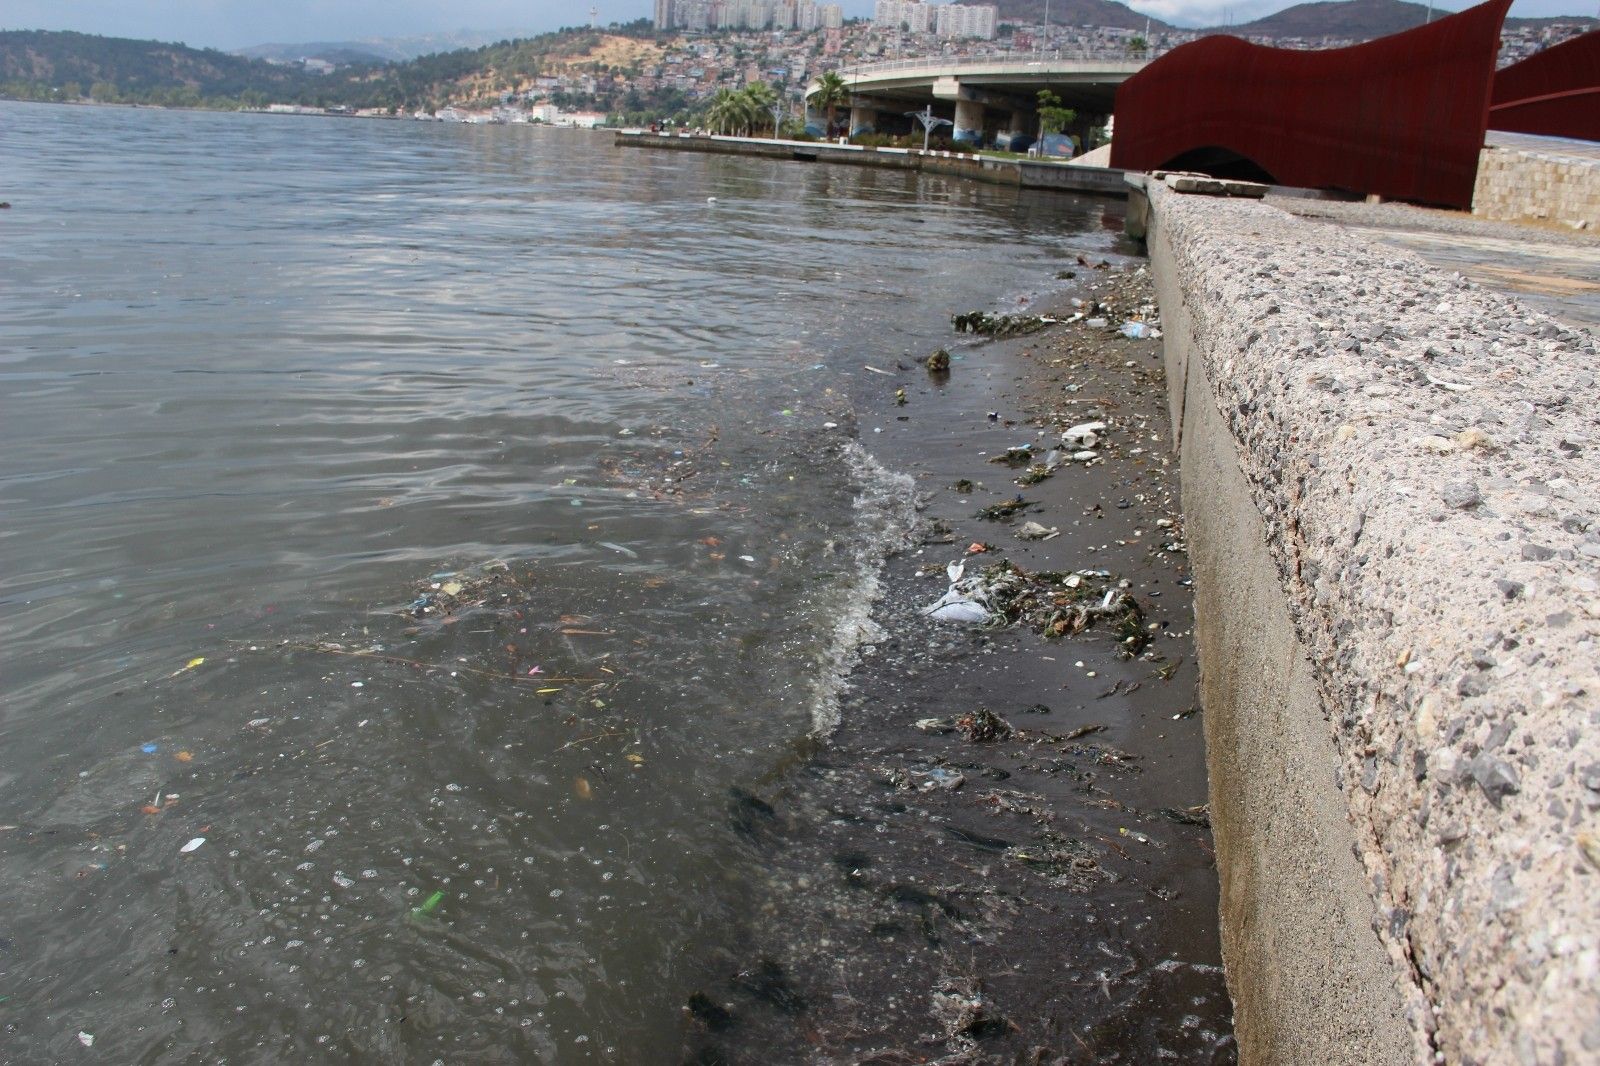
1047	896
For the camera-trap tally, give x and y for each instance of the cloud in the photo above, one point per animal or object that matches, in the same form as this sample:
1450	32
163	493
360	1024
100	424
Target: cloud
239	23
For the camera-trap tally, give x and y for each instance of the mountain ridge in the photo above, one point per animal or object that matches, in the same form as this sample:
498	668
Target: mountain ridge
1359	20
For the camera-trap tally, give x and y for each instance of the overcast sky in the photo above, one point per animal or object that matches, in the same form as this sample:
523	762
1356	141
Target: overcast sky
239	23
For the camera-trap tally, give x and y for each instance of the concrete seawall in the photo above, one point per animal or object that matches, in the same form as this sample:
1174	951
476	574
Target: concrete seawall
1390	483
1025	173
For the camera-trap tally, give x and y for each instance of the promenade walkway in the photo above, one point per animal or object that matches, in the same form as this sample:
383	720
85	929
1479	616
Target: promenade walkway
1548	266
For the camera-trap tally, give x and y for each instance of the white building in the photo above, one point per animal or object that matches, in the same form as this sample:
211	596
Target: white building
967	20
947	20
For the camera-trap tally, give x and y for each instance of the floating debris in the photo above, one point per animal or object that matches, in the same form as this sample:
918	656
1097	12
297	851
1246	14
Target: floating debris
436	599
939	362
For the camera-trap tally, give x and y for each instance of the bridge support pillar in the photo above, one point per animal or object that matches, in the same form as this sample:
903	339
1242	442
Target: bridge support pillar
1018	133
863	119
969	123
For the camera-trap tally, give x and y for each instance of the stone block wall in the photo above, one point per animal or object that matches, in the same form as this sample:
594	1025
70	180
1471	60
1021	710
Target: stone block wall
1519	185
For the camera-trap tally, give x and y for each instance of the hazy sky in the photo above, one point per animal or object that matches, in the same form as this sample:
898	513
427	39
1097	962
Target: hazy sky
238	23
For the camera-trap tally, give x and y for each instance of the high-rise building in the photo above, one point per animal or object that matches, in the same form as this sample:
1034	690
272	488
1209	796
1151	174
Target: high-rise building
967	20
663	14
947	20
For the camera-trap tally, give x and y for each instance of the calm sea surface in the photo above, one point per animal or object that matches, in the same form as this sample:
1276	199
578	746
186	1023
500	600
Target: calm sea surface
439	522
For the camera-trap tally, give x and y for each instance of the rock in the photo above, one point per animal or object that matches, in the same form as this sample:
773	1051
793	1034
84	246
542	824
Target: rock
1591	777
1461	495
1495	776
939	362
1536	553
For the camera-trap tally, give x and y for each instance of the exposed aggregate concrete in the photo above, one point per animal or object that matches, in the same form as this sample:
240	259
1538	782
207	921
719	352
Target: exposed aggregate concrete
1422	454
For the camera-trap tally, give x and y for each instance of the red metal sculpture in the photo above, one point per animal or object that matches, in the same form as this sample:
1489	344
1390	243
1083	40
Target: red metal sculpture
1556	92
1402	116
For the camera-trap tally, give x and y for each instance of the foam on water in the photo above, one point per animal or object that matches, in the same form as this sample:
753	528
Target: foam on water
885	513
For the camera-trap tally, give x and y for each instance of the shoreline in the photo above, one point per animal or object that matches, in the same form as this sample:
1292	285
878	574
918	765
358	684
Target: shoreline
992	170
1047	892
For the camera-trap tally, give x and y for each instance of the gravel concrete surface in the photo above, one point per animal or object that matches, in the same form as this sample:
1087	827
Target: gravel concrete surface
1422	453
1550	266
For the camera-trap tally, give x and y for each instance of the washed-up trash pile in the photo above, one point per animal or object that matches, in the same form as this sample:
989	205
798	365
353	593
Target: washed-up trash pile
988	325
1022	453
982	726
1050	603
1141	322
1000	512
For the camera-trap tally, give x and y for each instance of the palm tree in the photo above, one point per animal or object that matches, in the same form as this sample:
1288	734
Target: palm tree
760	98
725	113
831	92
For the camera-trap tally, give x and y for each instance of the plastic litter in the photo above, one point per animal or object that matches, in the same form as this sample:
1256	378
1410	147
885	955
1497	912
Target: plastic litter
969	611
1035	531
86	1039
428	906
193	845
619	549
962	601
1134	330
1083	435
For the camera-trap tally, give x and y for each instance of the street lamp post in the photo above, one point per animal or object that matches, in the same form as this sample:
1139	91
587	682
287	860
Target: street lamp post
929	123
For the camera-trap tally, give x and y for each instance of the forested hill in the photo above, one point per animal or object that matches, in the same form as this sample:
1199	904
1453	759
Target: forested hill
1357	20
47	65
1081	13
115	68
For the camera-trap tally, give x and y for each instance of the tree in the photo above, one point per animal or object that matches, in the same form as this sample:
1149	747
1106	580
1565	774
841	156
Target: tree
1053	118
760	99
831	93
1138	46
730	112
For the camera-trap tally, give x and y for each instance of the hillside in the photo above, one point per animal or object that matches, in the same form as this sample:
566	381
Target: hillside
1359	19
1362	20
1557	20
1080	13
40	65
385	49
121	69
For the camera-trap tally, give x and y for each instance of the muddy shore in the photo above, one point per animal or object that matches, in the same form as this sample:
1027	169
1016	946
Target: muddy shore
1003	853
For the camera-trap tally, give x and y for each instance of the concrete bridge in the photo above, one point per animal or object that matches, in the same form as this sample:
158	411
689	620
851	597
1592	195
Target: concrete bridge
992	100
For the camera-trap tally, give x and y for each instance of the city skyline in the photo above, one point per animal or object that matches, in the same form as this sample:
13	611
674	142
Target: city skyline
234	24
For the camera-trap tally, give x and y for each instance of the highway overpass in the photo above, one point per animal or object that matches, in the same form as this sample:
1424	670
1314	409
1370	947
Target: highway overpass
992	100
